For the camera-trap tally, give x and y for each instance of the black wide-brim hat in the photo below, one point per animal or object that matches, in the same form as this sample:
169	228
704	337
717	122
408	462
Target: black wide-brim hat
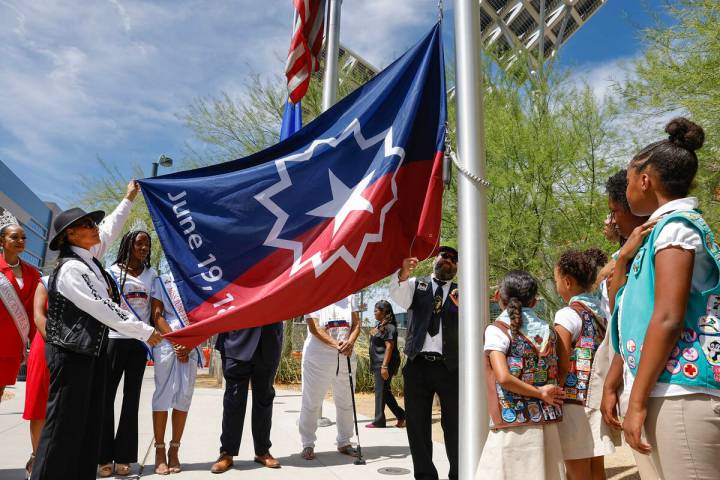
67	218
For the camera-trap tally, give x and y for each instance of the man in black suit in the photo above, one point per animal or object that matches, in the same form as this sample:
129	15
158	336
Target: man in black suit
250	355
431	346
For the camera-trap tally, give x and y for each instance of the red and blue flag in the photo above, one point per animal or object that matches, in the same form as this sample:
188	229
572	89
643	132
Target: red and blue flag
306	222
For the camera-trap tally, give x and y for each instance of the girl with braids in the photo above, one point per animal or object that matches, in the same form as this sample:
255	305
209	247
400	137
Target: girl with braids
584	359
385	361
667	314
524	400
127	356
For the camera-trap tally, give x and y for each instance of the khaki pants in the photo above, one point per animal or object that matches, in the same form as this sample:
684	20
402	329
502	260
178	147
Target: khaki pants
684	433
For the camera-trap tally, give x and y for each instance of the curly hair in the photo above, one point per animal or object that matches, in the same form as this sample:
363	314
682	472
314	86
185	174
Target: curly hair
517	289
673	159
582	266
616	187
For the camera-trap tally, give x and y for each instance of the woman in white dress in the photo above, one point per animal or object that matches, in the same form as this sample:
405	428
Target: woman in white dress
175	371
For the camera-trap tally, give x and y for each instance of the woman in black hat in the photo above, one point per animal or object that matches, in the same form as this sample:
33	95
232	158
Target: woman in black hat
84	302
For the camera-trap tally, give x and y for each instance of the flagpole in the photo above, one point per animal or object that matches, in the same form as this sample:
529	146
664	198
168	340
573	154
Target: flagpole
472	236
332	51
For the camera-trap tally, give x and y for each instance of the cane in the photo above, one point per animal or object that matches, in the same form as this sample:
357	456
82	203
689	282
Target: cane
360	460
142	465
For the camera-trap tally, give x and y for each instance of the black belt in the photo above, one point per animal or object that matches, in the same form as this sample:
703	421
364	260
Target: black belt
431	356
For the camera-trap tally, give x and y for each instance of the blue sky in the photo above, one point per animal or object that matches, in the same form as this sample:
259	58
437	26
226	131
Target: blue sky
81	80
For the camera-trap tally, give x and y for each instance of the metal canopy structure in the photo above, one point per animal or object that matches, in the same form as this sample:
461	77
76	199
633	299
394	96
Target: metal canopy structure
510	27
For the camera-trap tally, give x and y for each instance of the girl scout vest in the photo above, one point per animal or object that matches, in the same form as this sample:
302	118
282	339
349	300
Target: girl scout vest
581	373
695	359
534	367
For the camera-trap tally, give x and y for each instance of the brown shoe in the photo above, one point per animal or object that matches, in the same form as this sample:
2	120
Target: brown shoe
223	464
267	460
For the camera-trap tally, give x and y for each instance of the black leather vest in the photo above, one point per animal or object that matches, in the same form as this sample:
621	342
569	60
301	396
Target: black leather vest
419	316
68	326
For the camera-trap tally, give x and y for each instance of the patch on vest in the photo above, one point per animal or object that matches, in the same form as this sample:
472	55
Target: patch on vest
711	348
422	286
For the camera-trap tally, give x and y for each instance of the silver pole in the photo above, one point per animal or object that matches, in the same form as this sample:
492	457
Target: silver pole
330	83
332	51
472	236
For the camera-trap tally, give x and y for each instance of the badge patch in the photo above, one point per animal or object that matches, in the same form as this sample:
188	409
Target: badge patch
541	377
571	393
690	370
673	366
515	362
534	412
584	353
583	364
587	342
521	418
582	386
630	346
528	378
583	376
711	348
422	286
716	373
688	335
508	415
571	380
690	354
713	306
552	371
709	324
631	361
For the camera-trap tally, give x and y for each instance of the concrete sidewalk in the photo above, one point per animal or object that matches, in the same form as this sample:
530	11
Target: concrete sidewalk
382	448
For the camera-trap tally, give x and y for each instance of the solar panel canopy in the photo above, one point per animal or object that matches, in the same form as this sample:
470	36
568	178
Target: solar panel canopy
511	27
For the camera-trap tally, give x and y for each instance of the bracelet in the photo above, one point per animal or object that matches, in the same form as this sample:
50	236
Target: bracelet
384	367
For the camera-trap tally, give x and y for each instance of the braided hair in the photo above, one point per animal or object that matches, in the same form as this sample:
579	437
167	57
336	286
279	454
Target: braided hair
517	289
125	253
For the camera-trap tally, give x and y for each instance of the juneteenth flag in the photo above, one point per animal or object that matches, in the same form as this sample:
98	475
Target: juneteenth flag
306	222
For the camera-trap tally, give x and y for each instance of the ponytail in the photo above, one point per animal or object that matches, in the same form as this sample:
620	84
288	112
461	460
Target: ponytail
517	289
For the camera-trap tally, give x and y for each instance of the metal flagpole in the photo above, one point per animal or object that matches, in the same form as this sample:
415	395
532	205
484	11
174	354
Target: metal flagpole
330	81
332	51
472	235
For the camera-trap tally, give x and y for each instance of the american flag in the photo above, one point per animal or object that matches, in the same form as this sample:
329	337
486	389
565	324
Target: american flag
303	57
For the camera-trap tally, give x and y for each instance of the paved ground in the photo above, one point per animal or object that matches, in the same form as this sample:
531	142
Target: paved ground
383	448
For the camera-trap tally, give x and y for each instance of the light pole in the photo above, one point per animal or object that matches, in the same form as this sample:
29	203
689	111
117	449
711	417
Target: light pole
164	160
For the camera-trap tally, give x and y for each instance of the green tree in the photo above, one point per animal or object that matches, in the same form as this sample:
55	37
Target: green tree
680	72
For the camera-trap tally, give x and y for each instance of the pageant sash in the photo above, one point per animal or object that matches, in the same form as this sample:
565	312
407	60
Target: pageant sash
16	309
172	294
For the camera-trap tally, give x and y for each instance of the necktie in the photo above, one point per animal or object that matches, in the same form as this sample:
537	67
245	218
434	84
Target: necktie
434	327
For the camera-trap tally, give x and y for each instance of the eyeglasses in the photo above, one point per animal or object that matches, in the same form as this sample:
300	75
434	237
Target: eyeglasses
84	223
449	256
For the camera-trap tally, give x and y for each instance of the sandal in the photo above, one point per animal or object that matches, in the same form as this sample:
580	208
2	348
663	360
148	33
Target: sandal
122	469
308	453
105	470
348	450
161	467
174	466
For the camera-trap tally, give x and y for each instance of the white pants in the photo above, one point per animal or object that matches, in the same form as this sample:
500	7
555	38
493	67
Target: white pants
318	373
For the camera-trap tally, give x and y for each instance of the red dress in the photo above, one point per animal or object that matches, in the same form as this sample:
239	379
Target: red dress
38	381
11	345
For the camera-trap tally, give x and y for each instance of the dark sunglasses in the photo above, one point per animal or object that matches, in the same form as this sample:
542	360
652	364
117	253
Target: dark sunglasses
449	256
84	223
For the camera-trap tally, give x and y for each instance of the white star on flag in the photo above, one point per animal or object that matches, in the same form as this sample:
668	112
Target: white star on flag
344	201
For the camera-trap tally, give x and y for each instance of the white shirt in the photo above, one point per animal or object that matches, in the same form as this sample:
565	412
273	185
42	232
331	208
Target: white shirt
138	292
336	320
402	293
677	233
569	319
495	339
83	283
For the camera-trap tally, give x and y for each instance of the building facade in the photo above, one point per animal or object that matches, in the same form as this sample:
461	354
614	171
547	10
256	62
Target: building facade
32	213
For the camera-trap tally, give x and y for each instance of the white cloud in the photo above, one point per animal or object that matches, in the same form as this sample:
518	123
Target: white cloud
80	79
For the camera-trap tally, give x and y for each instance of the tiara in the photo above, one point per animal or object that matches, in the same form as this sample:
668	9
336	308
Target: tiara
7	218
